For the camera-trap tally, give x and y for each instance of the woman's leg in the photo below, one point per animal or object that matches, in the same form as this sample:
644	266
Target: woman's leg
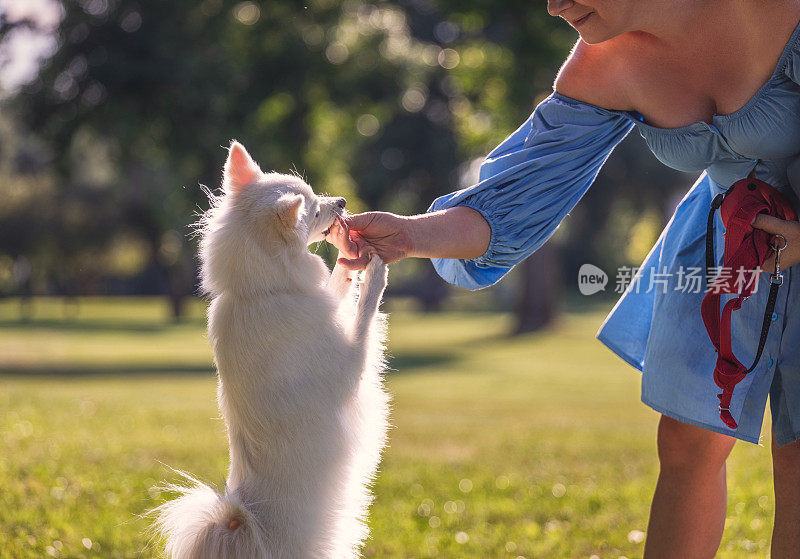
688	511
786	472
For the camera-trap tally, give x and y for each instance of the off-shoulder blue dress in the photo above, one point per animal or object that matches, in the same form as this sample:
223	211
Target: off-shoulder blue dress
531	181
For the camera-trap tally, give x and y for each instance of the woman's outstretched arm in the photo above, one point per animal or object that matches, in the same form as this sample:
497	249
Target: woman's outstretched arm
458	232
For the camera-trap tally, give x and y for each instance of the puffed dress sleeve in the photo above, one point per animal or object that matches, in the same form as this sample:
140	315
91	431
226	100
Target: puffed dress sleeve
531	181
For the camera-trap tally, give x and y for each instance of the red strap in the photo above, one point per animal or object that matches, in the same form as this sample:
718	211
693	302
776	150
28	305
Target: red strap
745	248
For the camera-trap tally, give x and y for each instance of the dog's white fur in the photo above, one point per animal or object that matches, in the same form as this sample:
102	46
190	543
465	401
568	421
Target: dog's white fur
300	380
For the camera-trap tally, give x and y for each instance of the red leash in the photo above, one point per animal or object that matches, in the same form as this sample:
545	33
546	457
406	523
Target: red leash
746	249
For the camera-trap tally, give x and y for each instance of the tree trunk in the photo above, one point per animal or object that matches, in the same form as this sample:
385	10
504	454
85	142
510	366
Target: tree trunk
180	282
176	304
432	292
537	303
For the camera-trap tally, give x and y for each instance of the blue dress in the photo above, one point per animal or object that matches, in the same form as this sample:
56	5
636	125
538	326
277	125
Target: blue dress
532	180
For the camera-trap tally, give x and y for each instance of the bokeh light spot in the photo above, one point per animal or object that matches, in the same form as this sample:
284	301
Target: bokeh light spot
336	53
131	22
474	57
446	32
247	13
636	536
96	8
414	99
367	125
448	59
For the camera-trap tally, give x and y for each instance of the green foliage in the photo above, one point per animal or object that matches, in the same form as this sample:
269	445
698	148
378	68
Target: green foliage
377	101
385	102
499	447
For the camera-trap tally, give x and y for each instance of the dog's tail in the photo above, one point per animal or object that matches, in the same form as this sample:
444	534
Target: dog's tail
202	523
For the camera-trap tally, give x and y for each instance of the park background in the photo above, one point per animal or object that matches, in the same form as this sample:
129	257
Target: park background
516	433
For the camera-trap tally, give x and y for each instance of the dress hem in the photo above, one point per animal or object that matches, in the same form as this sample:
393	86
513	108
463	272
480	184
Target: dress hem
696	423
619	352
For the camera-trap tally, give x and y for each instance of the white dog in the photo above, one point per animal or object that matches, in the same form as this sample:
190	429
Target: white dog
300	385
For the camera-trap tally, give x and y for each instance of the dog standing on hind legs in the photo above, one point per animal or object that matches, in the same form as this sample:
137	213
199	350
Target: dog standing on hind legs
300	366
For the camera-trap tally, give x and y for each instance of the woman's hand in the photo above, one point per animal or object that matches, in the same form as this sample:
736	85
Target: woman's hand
458	232
790	230
374	232
339	237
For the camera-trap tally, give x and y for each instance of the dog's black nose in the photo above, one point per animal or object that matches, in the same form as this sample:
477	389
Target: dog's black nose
341	202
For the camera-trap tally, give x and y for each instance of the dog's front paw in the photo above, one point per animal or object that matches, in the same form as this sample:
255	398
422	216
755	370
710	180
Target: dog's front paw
375	275
340	281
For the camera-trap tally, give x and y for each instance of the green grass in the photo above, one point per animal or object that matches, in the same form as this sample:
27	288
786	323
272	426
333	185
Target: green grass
500	446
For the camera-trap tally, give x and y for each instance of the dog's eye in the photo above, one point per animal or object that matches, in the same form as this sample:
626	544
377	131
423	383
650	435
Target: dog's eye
316	214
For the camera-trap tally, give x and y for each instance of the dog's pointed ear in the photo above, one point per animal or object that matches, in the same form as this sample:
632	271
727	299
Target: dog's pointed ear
290	208
240	169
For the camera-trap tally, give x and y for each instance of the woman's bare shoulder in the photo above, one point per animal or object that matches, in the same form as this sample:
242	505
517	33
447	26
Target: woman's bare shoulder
600	74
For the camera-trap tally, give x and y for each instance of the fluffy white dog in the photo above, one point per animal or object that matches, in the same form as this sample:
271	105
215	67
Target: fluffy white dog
300	385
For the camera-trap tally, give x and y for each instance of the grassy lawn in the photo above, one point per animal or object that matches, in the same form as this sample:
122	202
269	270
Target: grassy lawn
500	448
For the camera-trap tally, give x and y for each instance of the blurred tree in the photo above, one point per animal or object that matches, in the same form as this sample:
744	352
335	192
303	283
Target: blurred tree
147	92
485	68
379	101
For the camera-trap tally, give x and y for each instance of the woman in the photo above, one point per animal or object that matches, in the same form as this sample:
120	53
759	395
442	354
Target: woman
711	85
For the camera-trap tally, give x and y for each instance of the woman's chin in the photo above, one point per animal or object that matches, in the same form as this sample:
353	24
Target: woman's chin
593	32
592	37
